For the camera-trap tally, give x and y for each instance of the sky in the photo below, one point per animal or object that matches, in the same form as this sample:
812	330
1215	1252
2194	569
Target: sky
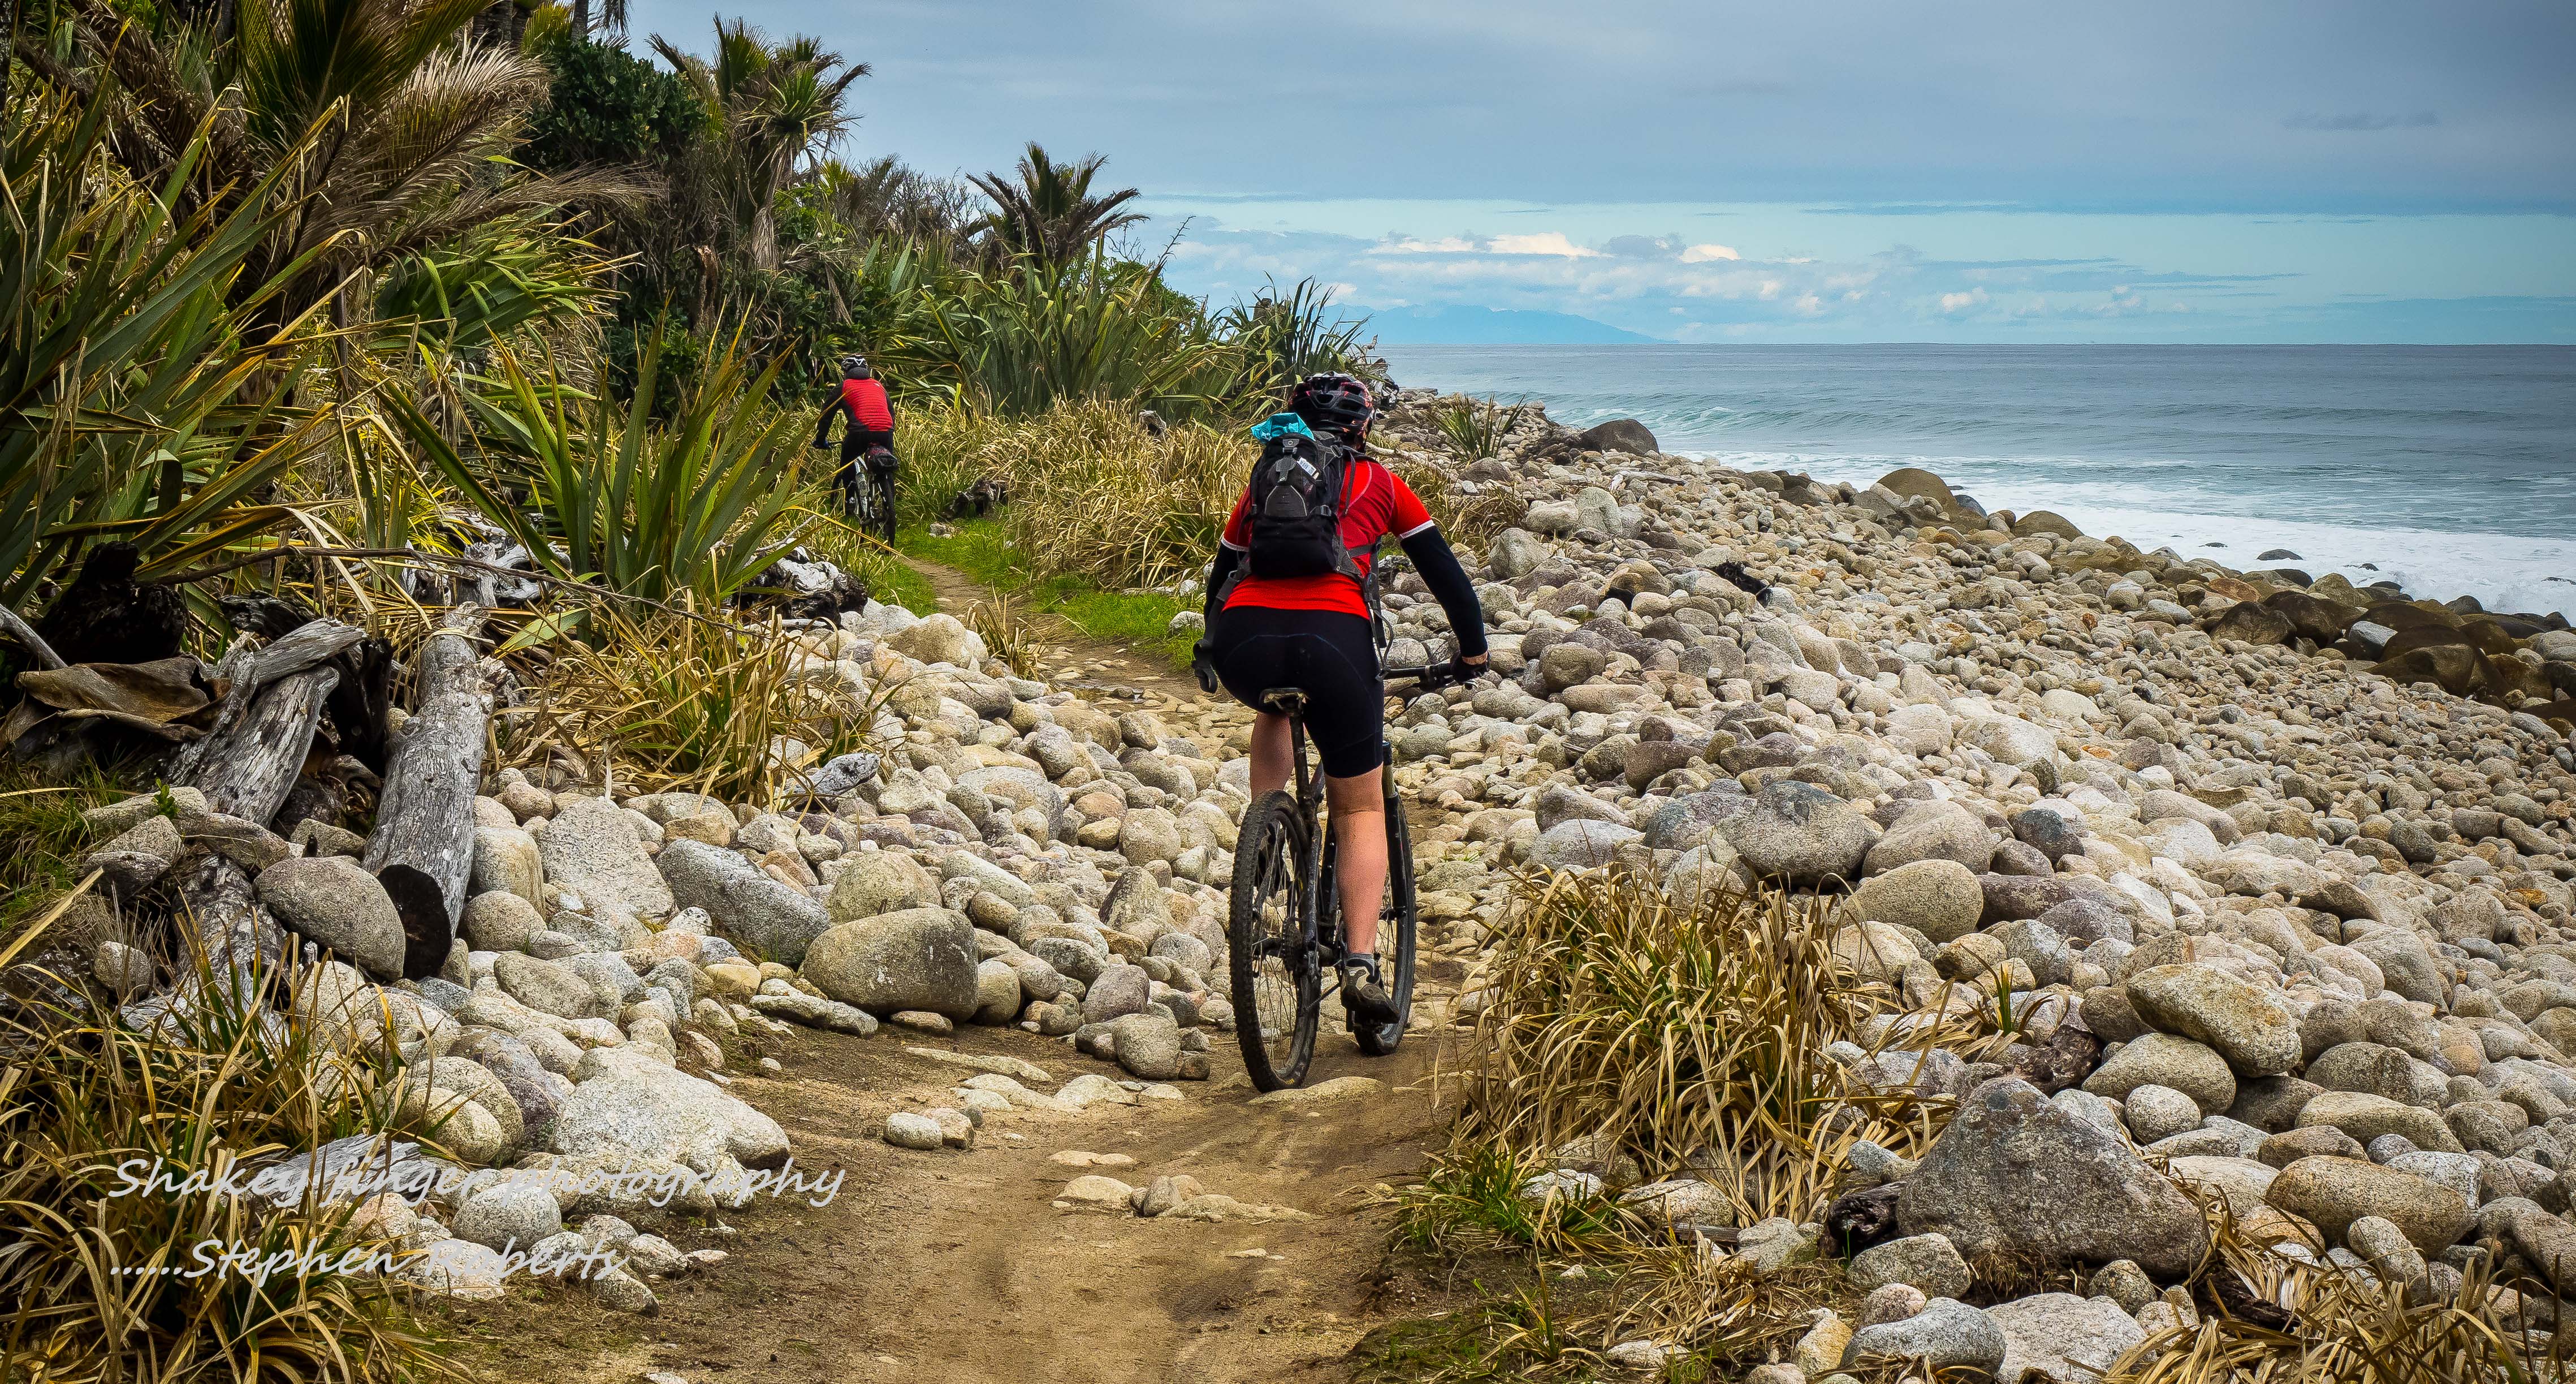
1696	171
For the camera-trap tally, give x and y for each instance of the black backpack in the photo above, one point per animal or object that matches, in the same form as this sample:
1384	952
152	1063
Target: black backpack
1296	509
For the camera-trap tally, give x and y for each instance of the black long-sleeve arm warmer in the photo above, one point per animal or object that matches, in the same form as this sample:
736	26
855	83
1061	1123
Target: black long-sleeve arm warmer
1448	582
1227	559
823	427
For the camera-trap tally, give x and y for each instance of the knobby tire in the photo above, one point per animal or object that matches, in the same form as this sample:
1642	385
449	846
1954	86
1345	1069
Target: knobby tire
1277	979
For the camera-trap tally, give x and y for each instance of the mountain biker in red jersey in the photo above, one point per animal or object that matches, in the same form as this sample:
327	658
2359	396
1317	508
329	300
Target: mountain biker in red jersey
1315	633
870	422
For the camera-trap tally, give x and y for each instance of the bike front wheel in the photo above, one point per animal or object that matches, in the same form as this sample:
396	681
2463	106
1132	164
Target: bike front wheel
884	486
1271	956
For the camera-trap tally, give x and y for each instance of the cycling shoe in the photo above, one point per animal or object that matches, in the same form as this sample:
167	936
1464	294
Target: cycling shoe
1364	995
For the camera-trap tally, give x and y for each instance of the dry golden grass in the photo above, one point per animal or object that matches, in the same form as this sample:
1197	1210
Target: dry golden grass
79	1303
1466	520
677	703
2344	1328
1687	1036
1006	634
1093	494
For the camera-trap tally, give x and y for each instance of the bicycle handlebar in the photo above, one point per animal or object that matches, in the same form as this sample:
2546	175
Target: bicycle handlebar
1431	677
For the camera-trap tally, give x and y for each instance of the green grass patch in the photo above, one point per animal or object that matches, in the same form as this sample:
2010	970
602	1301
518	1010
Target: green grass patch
42	837
1469	1200
1134	620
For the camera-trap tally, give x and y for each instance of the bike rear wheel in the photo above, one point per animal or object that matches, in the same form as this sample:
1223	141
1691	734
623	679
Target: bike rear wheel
1394	937
1271	957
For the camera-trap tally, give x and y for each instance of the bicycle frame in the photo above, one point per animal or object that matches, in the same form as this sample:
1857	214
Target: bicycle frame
1310	804
1310	857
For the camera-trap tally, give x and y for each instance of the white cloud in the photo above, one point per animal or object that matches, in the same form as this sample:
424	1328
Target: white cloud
1701	254
1407	245
1961	302
1543	243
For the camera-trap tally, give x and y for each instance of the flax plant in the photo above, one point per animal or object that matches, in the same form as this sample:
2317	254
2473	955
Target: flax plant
698	506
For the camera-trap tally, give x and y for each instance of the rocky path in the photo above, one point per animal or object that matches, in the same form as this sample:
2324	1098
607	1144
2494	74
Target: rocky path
970	1265
976	1264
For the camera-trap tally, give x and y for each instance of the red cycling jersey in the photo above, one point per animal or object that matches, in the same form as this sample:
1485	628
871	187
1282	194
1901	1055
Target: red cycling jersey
1375	502
866	400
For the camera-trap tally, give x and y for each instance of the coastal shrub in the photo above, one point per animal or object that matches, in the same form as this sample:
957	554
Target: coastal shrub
144	388
219	1084
40	818
1032	334
1477	427
1685	1035
698	505
2293	1323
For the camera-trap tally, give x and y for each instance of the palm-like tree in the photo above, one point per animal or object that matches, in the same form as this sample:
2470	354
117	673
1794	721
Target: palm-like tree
411	127
885	197
771	107
1049	214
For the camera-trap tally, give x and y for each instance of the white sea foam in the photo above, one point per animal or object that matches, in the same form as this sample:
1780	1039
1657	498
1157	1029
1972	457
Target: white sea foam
2508	572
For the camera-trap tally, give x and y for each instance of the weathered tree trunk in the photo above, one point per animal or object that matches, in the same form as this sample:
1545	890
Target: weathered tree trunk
250	673
236	932
250	773
422	849
251	758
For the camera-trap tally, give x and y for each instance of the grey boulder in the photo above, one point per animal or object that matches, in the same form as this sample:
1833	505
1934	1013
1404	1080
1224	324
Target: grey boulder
2256	1034
1946	1334
2015	1174
2059	1338
775	921
1799	832
592	848
334	903
1581	845
628	1105
916	958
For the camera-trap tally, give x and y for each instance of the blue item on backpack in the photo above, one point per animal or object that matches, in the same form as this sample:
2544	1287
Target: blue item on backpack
1279	425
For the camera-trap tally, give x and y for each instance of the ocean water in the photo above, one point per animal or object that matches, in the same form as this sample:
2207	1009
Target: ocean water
2451	470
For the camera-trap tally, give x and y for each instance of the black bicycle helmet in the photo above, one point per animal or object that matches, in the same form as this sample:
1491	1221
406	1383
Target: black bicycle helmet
1333	402
854	367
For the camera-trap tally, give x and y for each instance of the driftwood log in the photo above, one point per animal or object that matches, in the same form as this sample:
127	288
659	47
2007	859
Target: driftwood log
27	637
238	935
422	849
250	759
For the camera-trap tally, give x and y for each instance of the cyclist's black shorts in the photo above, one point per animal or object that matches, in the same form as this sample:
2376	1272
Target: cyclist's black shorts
1327	653
855	443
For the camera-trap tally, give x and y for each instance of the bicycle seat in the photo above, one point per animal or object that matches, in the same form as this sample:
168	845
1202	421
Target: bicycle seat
1287	701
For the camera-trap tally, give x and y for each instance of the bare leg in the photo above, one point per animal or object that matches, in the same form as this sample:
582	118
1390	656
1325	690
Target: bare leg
1359	853
1270	754
1359	828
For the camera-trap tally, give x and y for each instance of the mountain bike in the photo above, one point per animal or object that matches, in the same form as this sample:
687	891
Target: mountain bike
1284	924
868	492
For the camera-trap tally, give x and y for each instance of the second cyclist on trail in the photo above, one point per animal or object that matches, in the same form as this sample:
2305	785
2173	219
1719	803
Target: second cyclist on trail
1289	606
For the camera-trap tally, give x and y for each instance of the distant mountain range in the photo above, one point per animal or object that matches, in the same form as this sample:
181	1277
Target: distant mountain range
1458	325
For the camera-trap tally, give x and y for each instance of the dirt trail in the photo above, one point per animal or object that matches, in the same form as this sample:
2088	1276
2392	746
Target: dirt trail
963	1266
1075	661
